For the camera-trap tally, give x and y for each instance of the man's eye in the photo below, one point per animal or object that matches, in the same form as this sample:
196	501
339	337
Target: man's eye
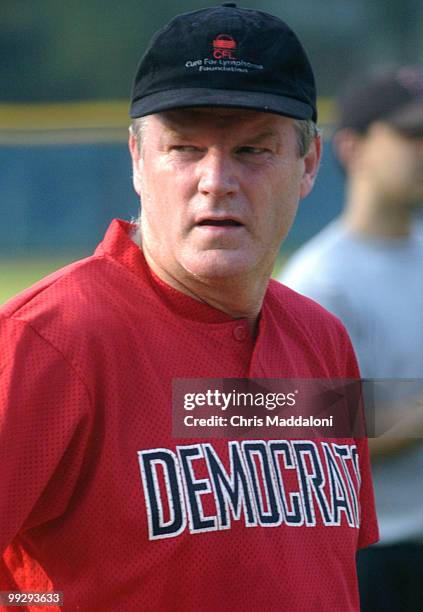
252	150
185	149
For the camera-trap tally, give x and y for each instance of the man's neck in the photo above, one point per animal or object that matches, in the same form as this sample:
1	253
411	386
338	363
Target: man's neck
240	298
369	214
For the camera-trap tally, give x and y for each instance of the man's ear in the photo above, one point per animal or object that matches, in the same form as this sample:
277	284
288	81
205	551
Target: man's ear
346	144
134	150
311	166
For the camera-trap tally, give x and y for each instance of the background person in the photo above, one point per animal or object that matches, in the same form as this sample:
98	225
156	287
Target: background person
98	500
366	267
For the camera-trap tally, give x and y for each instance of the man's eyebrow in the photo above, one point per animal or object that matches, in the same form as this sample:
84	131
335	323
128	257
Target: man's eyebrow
261	137
173	131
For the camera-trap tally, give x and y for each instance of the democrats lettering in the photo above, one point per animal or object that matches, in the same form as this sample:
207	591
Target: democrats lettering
260	483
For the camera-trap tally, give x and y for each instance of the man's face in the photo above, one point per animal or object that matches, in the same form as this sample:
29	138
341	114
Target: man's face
219	190
393	163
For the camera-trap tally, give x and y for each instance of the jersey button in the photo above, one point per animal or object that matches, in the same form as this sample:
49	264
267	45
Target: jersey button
240	333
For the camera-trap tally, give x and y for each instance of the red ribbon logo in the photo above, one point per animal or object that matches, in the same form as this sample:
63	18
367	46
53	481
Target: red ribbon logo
224	47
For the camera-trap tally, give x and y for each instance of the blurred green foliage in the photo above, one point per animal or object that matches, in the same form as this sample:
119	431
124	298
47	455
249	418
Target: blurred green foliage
16	275
88	49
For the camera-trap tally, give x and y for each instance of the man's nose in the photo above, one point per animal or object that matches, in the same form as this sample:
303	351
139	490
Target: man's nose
217	174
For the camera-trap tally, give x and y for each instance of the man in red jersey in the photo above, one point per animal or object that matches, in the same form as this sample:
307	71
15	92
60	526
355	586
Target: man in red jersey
98	500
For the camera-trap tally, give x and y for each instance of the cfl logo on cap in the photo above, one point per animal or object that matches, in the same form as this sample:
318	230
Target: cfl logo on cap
224	47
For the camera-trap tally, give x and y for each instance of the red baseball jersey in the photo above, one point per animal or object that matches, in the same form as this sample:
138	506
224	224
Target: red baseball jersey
98	500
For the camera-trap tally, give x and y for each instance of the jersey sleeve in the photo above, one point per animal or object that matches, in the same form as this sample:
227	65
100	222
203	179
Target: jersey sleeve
44	426
369	530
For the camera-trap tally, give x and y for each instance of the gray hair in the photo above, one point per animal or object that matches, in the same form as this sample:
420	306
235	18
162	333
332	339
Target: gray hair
306	130
137	129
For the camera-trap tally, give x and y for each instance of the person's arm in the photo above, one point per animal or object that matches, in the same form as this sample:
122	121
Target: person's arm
402	429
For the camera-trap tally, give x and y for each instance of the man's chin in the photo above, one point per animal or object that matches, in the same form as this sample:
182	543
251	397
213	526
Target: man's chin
217	265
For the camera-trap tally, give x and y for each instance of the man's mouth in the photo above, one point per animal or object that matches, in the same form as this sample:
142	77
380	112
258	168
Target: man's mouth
220	223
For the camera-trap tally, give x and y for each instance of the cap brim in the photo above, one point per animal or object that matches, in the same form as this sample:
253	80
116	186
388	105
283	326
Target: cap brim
200	97
409	120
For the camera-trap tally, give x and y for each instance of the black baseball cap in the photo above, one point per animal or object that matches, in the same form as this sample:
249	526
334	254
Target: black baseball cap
225	56
390	94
